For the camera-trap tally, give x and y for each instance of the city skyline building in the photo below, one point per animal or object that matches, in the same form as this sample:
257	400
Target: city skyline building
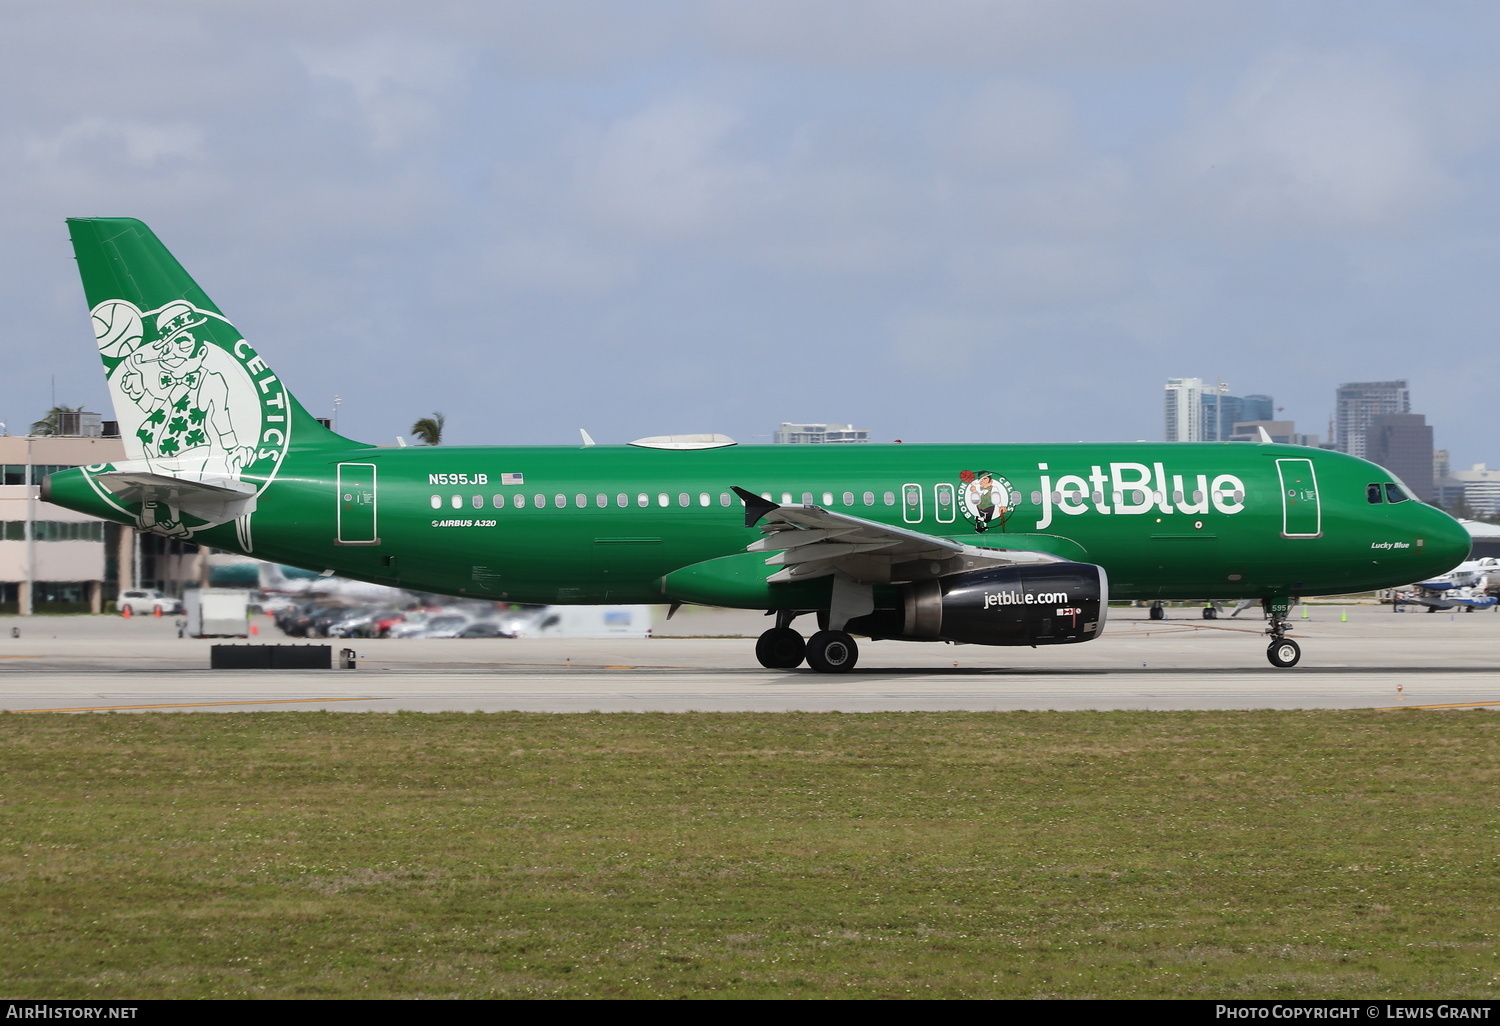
1221	412
820	434
1200	412
1481	489
1357	403
1184	410
1402	444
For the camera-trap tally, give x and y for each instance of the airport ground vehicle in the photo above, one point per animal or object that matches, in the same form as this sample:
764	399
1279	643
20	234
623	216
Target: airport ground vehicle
994	544
143	601
217	612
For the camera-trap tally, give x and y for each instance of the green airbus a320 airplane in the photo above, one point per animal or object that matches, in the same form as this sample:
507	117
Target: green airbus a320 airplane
978	544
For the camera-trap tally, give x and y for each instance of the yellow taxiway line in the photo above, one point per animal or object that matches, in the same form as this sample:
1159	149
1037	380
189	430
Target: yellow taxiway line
1450	705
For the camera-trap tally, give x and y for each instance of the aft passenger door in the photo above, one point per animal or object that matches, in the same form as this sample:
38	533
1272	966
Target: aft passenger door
356	505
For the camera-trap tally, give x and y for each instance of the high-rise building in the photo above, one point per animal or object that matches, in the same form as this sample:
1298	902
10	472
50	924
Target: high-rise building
1221	412
1402	444
1184	402
1196	412
1359	402
820	434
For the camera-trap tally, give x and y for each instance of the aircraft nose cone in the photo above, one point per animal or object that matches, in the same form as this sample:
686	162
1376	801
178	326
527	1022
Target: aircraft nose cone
1447	541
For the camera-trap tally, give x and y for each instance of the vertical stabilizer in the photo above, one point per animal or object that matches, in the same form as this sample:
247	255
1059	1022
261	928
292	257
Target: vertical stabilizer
188	390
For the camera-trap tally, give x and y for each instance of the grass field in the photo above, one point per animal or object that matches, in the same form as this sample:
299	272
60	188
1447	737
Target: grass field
1216	854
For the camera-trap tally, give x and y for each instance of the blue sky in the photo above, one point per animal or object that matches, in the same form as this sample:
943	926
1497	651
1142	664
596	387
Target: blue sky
946	220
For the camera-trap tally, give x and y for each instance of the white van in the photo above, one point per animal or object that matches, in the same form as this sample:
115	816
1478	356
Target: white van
145	601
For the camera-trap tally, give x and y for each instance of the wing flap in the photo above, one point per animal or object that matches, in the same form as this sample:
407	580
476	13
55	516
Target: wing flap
810	541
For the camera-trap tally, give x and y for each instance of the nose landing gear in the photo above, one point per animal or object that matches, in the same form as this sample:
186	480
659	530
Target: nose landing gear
1283	651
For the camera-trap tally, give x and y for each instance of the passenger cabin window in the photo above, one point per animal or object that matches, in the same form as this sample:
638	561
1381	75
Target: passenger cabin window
1372	494
519	501
622	499
724	499
848	498
1393	493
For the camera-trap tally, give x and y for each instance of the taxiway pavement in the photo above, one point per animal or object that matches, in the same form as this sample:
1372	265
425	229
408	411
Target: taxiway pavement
1375	659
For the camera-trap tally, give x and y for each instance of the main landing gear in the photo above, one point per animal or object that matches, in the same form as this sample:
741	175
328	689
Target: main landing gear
1282	651
782	648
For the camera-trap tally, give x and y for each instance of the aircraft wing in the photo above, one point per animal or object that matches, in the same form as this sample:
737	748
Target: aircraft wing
810	541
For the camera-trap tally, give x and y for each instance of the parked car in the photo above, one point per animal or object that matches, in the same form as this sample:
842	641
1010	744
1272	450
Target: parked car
146	601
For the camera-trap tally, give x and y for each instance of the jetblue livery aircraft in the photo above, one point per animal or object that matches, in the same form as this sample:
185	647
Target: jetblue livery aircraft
993	544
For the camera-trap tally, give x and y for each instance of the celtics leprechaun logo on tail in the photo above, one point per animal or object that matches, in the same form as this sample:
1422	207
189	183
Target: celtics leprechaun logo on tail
194	401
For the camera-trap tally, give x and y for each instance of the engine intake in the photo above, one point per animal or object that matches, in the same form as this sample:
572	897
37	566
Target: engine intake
1045	604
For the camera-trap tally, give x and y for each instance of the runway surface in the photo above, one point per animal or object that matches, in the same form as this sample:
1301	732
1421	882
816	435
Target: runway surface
1375	660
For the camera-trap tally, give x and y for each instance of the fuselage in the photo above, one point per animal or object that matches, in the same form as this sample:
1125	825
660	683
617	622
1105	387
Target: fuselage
608	524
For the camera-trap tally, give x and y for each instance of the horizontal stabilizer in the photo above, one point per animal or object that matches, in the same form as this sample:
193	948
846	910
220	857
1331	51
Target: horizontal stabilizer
210	496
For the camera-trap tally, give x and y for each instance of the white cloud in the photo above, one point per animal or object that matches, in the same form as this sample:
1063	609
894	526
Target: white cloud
1012	124
1324	139
665	170
400	85
96	141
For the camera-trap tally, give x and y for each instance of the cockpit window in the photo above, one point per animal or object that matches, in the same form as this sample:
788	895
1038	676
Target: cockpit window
1393	493
1373	494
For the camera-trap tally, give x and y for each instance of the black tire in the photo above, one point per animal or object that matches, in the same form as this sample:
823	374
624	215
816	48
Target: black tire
1284	653
832	652
1210	613
780	648
1158	613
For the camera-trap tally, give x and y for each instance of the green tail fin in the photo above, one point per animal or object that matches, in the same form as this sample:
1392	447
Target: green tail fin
187	388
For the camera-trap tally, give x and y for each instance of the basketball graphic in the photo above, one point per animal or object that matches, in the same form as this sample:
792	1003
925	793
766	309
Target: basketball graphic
117	328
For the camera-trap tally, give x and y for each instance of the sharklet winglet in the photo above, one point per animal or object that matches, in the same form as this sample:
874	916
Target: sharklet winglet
755	506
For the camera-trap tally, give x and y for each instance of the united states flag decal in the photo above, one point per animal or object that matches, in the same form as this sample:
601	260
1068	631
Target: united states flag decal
512	479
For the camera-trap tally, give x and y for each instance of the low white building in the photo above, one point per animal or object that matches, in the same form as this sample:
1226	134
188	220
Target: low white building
820	434
56	560
1481	489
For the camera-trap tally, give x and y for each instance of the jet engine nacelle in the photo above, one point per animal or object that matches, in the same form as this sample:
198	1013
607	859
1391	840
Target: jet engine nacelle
1041	604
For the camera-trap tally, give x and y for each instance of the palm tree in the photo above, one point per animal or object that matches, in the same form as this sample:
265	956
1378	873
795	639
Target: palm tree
49	425
429	429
